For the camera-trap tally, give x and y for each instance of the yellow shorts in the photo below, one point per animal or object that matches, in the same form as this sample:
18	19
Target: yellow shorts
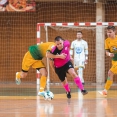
114	67
29	61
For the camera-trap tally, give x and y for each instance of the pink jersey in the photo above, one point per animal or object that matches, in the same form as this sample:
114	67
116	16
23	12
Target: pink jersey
60	62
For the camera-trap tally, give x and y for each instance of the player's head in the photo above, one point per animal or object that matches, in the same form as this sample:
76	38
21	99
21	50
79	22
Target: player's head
59	42
79	35
111	31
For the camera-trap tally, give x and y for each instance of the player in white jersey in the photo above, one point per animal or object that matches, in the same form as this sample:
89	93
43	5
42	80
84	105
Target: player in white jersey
79	54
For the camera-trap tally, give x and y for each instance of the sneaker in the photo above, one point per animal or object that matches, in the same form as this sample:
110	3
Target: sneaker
17	80
84	92
83	83
68	94
103	93
41	93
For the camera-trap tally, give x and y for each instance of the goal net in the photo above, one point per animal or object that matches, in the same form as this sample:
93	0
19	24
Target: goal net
94	33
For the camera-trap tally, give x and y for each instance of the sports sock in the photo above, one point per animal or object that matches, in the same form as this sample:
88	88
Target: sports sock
78	83
80	73
18	75
108	84
42	83
66	87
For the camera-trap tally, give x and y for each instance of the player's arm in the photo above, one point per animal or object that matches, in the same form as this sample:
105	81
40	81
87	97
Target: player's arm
52	64
71	55
50	55
108	53
86	52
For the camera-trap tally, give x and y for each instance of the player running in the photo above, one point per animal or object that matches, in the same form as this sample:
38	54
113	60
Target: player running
63	66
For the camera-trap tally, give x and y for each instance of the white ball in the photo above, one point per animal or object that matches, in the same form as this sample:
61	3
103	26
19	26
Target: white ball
50	95
46	96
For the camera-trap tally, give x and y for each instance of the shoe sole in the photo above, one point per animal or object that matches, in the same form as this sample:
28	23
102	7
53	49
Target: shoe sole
69	97
100	92
85	93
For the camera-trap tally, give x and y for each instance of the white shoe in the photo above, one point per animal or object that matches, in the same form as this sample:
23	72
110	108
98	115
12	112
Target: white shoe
17	80
103	93
41	93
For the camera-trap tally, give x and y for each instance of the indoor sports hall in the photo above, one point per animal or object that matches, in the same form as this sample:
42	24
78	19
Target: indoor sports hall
31	22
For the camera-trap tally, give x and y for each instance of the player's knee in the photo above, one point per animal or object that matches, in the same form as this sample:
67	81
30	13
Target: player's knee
44	74
74	75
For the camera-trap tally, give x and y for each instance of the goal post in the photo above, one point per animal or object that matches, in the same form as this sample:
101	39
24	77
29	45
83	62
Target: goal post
93	32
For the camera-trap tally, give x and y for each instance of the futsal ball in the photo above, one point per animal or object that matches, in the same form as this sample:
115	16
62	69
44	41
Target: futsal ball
49	95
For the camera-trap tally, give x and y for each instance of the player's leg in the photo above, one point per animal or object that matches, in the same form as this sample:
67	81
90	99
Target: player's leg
20	75
43	80
80	73
79	65
76	78
108	84
26	63
66	87
109	81
61	72
39	65
80	70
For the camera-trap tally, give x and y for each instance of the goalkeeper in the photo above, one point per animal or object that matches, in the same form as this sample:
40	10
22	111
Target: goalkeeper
79	51
111	51
33	58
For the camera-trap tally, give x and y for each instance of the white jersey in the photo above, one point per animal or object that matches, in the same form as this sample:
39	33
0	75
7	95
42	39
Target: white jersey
80	49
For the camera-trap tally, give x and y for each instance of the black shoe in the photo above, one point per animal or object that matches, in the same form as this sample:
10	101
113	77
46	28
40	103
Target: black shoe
83	83
84	92
68	94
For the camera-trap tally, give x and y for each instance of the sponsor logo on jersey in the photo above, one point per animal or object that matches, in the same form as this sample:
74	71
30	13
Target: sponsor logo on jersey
78	50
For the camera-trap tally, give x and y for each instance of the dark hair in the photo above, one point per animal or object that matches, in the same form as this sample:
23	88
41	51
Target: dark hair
79	32
111	27
58	38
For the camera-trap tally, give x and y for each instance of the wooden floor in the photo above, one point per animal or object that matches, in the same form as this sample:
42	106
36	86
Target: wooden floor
13	102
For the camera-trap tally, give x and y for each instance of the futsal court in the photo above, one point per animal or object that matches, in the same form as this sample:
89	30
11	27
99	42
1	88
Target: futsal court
22	101
30	22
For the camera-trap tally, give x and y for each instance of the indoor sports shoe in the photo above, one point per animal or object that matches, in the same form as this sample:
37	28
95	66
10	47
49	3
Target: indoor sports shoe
103	93
17	80
83	83
68	95
41	93
84	92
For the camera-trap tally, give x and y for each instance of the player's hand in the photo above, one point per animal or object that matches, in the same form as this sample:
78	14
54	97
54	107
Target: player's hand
86	61
63	56
111	54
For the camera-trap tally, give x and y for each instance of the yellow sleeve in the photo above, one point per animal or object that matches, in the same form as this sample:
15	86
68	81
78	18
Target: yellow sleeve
51	47
106	45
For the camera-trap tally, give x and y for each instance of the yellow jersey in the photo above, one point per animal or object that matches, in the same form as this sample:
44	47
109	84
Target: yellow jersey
111	46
